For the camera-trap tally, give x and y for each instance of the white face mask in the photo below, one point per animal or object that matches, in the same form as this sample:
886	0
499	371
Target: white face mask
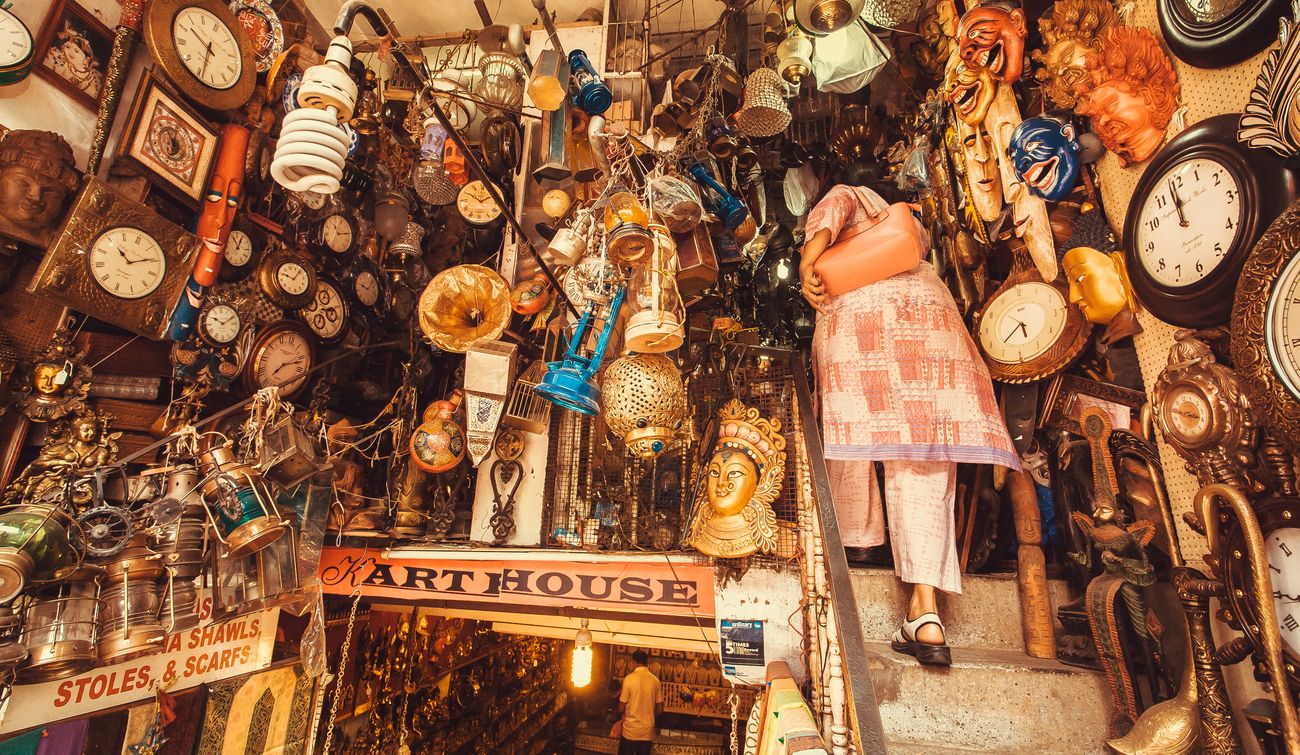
800	187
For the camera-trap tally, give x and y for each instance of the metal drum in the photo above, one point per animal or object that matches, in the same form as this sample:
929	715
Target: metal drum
126	490
241	507
59	628
130	602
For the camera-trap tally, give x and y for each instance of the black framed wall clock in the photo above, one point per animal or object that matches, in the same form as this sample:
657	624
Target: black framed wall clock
1198	209
1218	33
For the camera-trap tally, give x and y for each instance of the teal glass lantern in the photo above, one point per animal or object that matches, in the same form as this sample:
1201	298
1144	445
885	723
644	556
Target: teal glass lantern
34	546
238	502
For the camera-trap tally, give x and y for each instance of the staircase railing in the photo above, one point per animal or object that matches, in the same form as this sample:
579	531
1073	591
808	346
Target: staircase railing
866	730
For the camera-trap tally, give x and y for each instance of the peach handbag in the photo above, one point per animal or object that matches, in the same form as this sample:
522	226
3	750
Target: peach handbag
885	244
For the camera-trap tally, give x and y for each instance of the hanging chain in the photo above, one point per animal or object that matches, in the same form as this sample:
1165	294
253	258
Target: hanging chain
338	681
735	714
709	106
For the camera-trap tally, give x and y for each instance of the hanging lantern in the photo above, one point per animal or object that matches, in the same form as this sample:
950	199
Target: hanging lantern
571	382
59	627
438	444
592	95
502	80
489	371
239	504
181	542
266	579
627	230
431	181
289	454
794	58
130	603
644	402
34	546
570	243
550	83
656	323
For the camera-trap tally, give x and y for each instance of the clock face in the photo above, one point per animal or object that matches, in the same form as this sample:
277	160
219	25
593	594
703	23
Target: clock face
293	278
1283	549
366	287
1282	326
337	234
283	360
127	262
1023	322
15	40
239	248
221	323
476	205
1187	414
327	314
1210	11
1188	222
207	47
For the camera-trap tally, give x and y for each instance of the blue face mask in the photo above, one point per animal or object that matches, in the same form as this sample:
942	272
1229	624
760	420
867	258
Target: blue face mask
1045	155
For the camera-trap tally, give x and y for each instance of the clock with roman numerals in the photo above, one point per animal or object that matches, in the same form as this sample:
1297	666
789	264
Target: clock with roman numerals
1197	210
203	49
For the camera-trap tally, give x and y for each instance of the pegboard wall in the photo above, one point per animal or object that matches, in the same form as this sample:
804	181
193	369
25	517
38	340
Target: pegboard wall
1204	93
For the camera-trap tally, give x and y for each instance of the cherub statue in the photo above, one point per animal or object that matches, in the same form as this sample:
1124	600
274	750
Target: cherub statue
74	448
733	514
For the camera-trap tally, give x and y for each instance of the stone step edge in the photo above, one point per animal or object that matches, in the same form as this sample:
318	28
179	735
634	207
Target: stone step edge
982	658
999	577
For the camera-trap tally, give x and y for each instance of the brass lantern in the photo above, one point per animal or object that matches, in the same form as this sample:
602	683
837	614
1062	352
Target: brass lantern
130	603
239	503
59	628
289	454
644	402
655	325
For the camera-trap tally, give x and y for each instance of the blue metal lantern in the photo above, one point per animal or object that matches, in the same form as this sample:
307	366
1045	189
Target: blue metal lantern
592	96
731	210
241	507
571	383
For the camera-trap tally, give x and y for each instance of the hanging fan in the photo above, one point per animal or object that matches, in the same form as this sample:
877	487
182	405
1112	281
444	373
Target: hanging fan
501	140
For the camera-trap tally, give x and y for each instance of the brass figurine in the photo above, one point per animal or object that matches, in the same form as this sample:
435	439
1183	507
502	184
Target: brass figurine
58	382
1070	34
75	447
733	515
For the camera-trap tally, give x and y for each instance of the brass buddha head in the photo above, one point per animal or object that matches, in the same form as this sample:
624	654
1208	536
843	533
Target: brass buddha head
36	179
1099	283
733	514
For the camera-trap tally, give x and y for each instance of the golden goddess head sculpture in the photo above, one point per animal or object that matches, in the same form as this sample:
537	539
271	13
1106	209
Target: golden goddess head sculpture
1098	283
1131	93
733	514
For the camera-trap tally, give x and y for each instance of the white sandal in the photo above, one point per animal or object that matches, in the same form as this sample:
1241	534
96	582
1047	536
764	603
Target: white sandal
904	641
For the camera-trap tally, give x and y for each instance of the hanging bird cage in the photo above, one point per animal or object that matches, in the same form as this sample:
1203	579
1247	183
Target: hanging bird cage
526	409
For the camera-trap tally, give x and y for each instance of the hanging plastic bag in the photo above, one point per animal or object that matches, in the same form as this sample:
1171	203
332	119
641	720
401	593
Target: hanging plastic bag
915	173
677	203
847	60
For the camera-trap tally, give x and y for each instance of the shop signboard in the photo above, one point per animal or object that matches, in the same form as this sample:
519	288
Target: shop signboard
662	588
197	656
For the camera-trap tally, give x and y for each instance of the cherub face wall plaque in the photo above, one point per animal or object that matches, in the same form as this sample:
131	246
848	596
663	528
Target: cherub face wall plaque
1045	156
1070	33
1131	93
981	169
1271	119
969	89
733	514
991	36
36	179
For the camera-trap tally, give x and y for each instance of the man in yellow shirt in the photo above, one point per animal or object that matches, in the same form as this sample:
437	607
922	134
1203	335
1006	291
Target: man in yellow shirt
639	702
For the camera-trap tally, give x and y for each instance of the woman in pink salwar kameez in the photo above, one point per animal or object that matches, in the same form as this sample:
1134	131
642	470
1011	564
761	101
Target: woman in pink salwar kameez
900	383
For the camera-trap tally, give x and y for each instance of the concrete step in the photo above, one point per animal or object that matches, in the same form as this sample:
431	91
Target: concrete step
989	701
915	748
985	615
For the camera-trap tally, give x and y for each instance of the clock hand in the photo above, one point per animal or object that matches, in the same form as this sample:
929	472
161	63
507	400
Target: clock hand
1285	597
207	55
1178	205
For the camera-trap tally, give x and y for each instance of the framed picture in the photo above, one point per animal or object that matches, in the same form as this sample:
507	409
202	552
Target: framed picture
73	50
1068	395
174	146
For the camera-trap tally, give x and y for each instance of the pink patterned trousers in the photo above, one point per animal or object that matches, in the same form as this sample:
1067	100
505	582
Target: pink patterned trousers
921	496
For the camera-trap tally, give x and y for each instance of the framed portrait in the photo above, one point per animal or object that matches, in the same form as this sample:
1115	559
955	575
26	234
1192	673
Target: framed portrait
73	52
1068	395
173	145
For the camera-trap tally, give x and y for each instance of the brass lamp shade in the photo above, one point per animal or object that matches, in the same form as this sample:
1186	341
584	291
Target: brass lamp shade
825	16
463	306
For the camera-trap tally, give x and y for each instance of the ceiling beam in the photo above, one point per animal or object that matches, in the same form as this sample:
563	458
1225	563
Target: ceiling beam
437	40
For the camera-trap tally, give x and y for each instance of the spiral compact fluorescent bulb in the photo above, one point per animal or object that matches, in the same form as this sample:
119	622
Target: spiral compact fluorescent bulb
313	146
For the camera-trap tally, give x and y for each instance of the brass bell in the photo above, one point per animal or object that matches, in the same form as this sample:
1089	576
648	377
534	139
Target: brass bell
366	121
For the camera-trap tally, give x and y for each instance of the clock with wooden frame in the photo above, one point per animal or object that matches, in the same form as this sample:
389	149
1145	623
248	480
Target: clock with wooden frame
281	354
328	314
243	247
1200	205
118	261
1218	33
203	49
1028	329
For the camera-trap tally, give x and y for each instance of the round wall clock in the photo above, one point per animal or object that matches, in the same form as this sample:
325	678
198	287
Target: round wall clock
282	354
366	285
1265	339
287	279
16	48
327	313
241	248
1199	206
219	323
337	235
262	25
476	205
203	50
126	262
1218	33
1028	329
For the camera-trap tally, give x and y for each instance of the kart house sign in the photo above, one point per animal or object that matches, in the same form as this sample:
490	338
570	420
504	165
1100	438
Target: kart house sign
667	588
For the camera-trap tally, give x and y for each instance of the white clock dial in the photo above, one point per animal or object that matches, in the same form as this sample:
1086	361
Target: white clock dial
207	47
127	263
239	248
1188	222
326	314
284	361
15	40
293	278
1283	550
476	205
337	233
1188	414
1023	322
366	287
1282	326
221	323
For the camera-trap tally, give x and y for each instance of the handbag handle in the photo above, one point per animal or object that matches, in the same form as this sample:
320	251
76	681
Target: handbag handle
873	219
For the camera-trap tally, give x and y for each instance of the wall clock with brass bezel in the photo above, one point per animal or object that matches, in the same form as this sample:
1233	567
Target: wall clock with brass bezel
243	246
328	314
202	48
287	279
118	261
1028	329
282	354
17	48
1265	341
1197	210
1218	33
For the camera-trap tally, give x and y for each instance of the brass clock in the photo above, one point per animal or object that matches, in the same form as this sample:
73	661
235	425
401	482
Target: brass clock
287	279
203	49
281	355
118	261
476	206
328	313
1028	329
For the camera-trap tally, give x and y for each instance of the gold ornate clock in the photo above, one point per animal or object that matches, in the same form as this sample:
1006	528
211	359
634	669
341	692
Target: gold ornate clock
118	261
287	279
476	206
1028	329
203	49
